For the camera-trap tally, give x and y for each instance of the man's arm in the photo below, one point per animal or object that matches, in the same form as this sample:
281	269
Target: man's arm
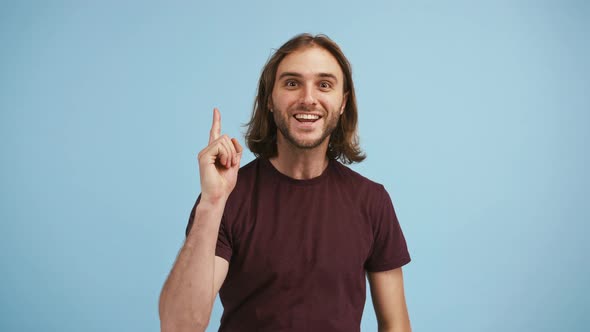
187	297
387	291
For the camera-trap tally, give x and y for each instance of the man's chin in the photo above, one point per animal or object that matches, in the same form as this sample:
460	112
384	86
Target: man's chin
305	144
302	142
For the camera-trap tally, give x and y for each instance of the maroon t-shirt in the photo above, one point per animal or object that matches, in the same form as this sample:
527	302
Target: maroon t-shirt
299	249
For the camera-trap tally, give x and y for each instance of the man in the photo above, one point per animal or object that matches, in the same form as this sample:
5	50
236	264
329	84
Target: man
287	239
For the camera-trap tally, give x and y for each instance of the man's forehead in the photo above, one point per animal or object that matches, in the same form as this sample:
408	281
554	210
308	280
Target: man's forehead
312	60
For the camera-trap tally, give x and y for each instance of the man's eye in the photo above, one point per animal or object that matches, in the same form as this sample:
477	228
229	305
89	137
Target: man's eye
291	83
325	85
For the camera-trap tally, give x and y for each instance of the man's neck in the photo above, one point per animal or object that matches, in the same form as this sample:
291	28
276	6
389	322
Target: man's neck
300	164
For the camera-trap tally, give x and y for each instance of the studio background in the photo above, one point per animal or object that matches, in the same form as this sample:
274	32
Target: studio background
474	115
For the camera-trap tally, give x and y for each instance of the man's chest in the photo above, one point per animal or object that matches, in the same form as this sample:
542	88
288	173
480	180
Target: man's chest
302	234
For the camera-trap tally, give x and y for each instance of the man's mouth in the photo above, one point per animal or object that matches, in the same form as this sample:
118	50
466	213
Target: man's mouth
306	117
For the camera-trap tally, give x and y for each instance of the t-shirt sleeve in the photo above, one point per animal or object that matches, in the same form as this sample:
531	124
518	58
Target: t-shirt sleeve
389	244
223	248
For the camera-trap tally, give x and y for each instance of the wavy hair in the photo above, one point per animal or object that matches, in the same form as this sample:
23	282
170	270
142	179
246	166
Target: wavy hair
261	135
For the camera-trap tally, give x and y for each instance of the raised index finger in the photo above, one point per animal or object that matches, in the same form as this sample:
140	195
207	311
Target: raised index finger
216	126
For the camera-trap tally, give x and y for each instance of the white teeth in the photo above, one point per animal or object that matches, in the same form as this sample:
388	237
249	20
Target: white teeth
307	116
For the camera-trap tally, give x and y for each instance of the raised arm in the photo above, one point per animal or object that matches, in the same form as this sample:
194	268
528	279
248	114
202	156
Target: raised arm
188	294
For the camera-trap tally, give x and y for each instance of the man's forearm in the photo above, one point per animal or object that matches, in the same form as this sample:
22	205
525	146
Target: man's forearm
187	297
395	328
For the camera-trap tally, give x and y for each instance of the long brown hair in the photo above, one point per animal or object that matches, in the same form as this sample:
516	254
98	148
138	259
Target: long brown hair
261	136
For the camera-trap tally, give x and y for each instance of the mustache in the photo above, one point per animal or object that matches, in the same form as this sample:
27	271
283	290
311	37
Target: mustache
303	108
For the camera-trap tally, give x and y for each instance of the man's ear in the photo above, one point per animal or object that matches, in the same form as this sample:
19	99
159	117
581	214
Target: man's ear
269	104
344	99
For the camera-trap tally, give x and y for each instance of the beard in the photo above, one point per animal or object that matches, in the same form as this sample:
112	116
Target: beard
282	121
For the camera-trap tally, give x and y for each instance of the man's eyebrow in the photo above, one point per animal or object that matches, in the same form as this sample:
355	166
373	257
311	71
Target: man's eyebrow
293	74
328	75
289	74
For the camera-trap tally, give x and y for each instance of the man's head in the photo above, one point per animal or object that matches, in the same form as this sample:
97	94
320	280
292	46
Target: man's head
286	93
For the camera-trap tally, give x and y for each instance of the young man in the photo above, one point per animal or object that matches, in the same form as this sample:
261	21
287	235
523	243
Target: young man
287	239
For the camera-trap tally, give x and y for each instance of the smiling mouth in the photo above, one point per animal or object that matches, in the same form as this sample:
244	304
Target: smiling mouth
306	117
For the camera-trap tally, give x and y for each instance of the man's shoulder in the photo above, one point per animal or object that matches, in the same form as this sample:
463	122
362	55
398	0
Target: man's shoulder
247	173
354	178
368	194
249	167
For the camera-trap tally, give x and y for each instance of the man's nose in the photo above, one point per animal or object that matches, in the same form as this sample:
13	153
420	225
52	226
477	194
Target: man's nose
308	96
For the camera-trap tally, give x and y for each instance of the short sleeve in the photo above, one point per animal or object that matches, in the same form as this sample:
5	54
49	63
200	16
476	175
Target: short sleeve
389	249
223	248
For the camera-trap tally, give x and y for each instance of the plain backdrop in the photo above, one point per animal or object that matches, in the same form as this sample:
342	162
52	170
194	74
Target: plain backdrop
474	115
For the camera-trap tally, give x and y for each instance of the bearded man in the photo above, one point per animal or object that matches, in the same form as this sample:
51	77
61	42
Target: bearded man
288	239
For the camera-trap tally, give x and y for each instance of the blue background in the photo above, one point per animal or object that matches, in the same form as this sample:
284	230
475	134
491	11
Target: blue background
474	114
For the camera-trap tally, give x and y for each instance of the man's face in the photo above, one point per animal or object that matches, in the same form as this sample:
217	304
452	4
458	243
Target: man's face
307	98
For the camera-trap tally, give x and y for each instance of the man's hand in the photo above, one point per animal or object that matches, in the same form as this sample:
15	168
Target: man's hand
219	163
